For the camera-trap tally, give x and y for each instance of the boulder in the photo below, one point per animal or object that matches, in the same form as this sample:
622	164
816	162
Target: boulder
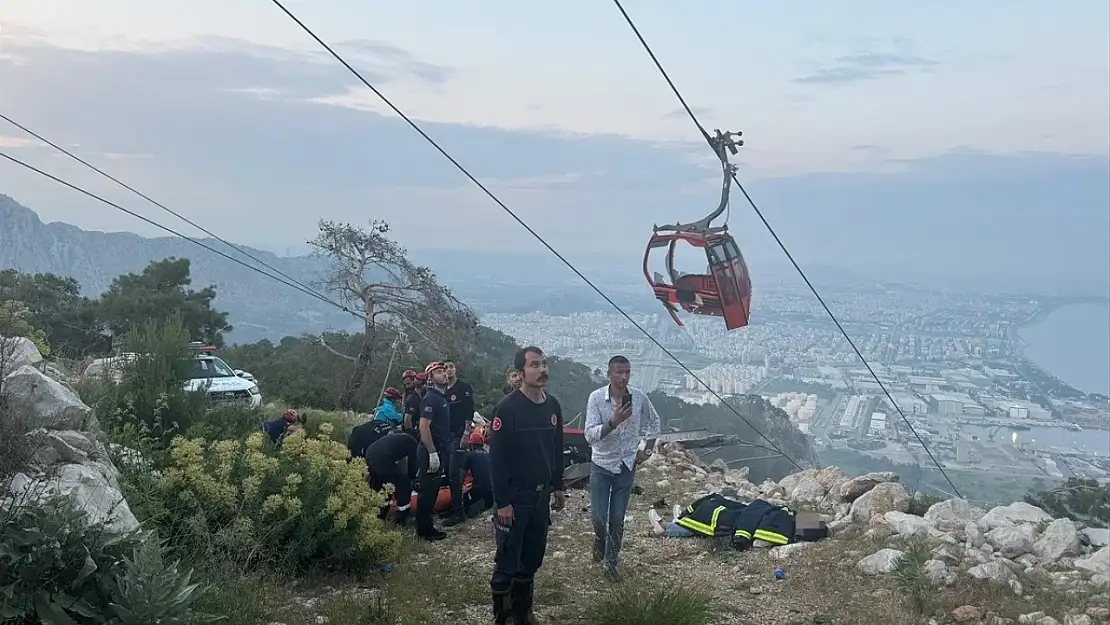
16	352
51	404
879	563
993	570
92	487
1097	563
808	491
1014	514
1096	536
952	513
856	487
881	498
1059	539
907	524
1014	540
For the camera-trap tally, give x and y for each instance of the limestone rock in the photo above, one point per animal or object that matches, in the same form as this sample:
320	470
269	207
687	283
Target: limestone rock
52	405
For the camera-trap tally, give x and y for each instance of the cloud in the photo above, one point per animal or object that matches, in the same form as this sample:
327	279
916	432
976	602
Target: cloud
17	142
234	136
858	67
680	113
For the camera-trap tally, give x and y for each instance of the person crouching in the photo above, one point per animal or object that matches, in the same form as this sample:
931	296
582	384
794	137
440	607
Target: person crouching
387	460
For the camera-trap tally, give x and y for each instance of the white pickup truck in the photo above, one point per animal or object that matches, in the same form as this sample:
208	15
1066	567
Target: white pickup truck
206	372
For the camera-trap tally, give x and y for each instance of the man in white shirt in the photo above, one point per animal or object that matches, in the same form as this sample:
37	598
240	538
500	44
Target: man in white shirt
617	417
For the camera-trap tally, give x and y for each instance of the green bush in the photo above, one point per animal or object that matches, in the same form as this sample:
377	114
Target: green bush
148	407
674	605
56	569
1078	499
246	504
910	576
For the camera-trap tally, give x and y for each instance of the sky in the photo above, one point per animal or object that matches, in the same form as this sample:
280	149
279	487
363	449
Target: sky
896	137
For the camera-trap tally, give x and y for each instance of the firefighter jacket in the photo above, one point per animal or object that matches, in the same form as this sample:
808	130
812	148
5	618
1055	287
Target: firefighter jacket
760	520
715	515
711	515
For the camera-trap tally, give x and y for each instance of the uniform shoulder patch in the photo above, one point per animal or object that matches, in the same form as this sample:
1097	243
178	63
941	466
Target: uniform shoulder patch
496	425
429	409
554	419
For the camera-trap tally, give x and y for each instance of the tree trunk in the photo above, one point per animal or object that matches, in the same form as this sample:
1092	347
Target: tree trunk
362	366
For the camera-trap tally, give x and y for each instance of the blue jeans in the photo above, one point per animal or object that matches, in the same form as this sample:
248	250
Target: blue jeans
609	494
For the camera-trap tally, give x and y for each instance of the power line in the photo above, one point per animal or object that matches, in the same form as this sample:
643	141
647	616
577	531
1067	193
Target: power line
782	245
302	287
173	232
520	221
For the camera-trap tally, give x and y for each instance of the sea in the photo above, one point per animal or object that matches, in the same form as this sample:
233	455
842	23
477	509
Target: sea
1073	344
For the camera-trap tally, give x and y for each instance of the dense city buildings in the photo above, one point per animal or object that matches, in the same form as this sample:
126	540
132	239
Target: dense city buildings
951	365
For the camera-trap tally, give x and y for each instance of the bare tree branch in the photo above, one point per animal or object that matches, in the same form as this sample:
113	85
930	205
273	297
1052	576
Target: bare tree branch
320	340
372	274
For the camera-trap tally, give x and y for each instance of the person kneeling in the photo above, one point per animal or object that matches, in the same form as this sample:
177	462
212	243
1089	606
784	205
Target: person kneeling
388	462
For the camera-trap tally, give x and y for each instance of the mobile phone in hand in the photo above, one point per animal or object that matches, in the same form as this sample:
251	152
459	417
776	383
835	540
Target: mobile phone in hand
627	399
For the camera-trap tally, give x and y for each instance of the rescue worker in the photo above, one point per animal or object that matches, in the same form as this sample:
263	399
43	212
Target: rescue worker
414	393
289	422
460	399
476	462
387	460
526	461
617	416
435	441
386	419
389	409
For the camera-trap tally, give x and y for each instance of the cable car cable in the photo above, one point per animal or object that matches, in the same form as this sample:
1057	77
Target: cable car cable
782	245
520	221
303	287
174	232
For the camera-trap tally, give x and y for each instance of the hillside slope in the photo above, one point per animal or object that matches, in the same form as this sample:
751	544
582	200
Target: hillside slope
1010	565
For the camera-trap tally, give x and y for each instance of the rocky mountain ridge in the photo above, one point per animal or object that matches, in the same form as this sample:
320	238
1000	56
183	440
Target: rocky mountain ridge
258	305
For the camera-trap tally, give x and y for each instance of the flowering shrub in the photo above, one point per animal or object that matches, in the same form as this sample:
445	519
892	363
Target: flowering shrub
300	504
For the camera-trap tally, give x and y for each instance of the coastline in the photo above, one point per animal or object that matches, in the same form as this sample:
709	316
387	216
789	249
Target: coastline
1042	314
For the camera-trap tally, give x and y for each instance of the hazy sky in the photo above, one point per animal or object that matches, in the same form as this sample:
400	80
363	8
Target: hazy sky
937	137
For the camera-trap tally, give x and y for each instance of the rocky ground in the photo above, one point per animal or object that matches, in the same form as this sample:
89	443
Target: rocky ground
1012	564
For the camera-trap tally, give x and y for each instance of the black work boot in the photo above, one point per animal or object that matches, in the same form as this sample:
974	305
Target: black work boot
522	602
502	608
455	518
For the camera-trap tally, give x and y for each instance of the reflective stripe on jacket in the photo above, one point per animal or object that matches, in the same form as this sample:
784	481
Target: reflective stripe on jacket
761	520
711	515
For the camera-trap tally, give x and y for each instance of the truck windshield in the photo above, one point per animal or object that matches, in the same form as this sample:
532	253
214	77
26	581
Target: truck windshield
204	368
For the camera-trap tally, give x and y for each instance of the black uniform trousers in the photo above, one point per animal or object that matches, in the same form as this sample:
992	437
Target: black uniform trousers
382	474
427	493
455	463
522	544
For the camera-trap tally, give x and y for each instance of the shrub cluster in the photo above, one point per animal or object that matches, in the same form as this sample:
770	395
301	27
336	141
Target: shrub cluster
243	501
57	568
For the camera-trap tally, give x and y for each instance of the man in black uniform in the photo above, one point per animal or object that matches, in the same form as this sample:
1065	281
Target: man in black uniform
435	441
526	459
414	392
388	460
460	397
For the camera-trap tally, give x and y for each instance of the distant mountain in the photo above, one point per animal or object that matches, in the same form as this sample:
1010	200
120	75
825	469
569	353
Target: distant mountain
259	306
